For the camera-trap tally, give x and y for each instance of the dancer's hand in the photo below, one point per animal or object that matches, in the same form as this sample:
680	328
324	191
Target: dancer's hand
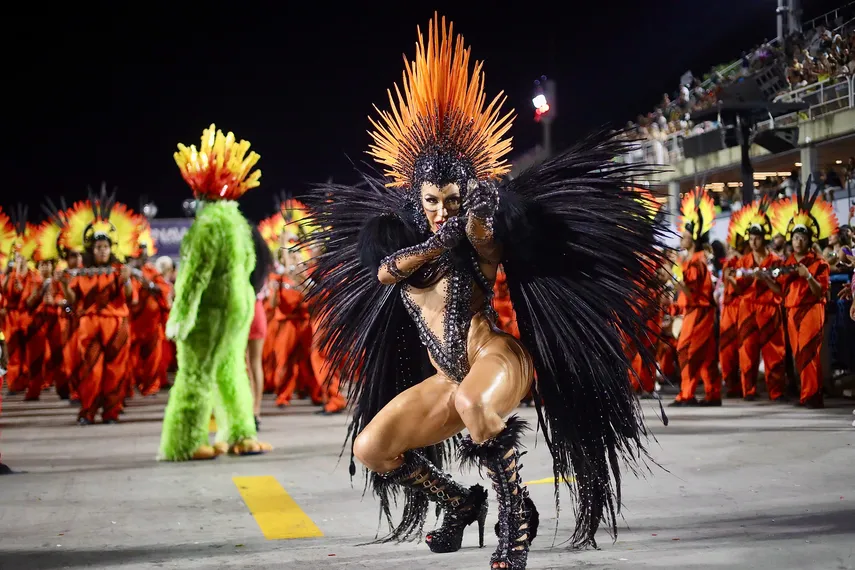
449	234
482	200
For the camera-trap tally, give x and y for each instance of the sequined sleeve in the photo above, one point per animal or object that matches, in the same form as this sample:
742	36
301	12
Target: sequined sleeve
403	263
482	237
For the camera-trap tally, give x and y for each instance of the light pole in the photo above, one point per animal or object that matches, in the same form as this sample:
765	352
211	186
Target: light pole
544	110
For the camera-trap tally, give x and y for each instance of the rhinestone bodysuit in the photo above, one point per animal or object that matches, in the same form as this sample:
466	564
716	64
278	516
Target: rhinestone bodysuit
450	351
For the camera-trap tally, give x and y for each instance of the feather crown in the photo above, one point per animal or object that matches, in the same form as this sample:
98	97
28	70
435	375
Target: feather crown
753	218
220	168
102	218
51	232
807	213
697	213
8	236
288	226
441	129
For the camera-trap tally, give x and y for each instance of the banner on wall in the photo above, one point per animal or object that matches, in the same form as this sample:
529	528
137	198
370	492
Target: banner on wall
168	233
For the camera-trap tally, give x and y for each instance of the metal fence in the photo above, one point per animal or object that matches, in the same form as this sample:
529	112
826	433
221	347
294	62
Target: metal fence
823	98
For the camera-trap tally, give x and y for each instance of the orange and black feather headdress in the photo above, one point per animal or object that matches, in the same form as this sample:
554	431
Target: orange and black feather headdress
441	129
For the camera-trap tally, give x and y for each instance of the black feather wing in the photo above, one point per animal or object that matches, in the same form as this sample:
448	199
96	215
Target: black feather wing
580	253
363	327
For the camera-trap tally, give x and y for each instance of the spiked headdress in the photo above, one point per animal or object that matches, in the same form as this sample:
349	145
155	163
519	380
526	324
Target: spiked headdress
101	218
291	224
23	240
7	238
220	168
49	237
697	214
807	213
753	219
440	128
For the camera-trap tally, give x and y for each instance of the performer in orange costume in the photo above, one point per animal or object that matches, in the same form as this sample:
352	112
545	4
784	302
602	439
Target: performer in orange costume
20	288
328	378
103	292
728	336
506	317
761	324
53	318
802	220
292	336
148	317
48	331
696	347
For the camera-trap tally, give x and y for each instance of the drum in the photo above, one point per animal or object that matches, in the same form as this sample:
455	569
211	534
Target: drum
677	326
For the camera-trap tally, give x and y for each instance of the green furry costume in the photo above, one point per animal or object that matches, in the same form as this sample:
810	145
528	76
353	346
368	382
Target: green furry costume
210	319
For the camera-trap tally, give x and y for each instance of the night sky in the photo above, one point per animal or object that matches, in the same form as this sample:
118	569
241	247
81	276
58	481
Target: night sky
106	94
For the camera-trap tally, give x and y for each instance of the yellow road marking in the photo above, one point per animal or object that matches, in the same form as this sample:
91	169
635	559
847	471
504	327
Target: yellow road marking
548	481
276	513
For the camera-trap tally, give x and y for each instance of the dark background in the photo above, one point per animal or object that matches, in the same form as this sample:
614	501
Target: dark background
105	93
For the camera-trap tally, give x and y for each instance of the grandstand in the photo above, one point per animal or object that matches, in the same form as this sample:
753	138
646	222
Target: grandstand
813	64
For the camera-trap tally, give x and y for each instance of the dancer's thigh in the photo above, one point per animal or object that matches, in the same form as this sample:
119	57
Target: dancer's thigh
418	417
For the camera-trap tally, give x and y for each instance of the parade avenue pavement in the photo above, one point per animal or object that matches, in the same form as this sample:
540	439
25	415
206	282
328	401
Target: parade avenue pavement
744	486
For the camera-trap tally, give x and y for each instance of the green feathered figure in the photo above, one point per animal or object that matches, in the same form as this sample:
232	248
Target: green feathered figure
213	307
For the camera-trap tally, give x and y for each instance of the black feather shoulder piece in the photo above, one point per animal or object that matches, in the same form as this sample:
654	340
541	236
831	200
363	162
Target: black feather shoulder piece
363	327
581	254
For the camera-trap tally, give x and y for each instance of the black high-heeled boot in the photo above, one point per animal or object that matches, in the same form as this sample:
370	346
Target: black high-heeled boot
462	506
518	517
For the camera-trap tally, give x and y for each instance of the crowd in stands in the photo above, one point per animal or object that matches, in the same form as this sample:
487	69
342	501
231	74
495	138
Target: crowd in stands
823	53
836	180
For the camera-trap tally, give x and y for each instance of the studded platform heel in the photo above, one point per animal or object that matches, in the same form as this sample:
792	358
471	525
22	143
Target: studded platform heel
518	517
461	506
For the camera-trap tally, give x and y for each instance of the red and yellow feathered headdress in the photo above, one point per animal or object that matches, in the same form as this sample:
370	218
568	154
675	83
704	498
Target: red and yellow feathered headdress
753	218
441	123
220	168
17	235
288	227
8	236
145	239
806	213
49	238
102	218
650	203
697	213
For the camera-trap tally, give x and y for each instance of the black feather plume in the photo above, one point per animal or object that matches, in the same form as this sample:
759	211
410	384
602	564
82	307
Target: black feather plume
581	255
363	327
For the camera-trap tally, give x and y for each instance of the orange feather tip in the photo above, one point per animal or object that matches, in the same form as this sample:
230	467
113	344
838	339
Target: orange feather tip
441	104
221	168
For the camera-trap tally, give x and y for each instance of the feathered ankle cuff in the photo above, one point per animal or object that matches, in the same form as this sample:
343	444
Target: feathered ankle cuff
474	454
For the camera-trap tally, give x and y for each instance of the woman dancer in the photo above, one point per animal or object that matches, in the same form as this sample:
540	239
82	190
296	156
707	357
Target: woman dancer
416	261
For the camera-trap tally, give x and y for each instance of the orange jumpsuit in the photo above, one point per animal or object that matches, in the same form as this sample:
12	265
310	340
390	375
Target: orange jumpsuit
328	380
292	344
761	330
666	348
696	347
103	343
17	292
148	319
507	320
728	339
268	356
806	321
48	334
71	354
